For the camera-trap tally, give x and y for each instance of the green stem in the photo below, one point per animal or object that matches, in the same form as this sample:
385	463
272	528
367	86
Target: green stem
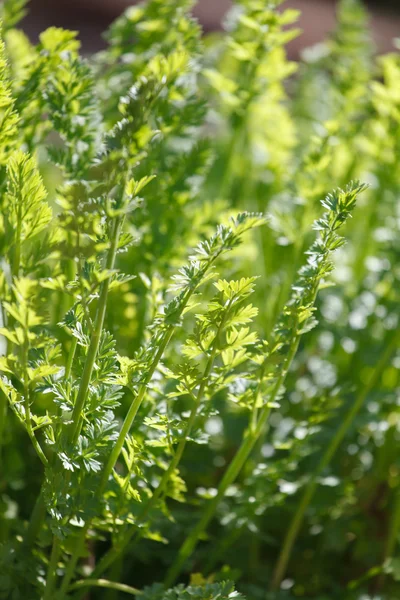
308	494
32	435
70	570
16	263
64	301
37	447
364	232
127	424
28	417
95	338
70	359
3	399
35	523
3	482
394	529
52	569
226	182
291	268
3	416
391	540
116	575
104	583
220	549
231	474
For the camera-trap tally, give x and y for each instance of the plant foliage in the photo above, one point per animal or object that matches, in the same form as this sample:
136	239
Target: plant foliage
198	375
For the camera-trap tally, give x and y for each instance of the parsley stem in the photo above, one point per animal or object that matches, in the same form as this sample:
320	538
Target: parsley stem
391	541
69	571
52	569
36	520
105	583
70	359
3	417
3	396
16	262
127	424
77	418
27	399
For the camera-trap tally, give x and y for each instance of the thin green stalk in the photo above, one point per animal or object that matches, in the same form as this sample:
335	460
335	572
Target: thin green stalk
16	263
116	551
70	359
52	569
3	483
36	520
290	269
67	377
95	338
3	416
33	437
116	575
308	494
246	76
227	178
370	212
3	400
254	415
71	565
127	424
391	541
231	474
64	301
27	407
104	583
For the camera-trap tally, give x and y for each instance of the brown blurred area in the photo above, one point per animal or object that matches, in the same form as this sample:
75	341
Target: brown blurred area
91	18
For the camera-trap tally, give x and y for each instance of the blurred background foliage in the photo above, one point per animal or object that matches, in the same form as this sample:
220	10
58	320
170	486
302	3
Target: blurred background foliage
247	129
